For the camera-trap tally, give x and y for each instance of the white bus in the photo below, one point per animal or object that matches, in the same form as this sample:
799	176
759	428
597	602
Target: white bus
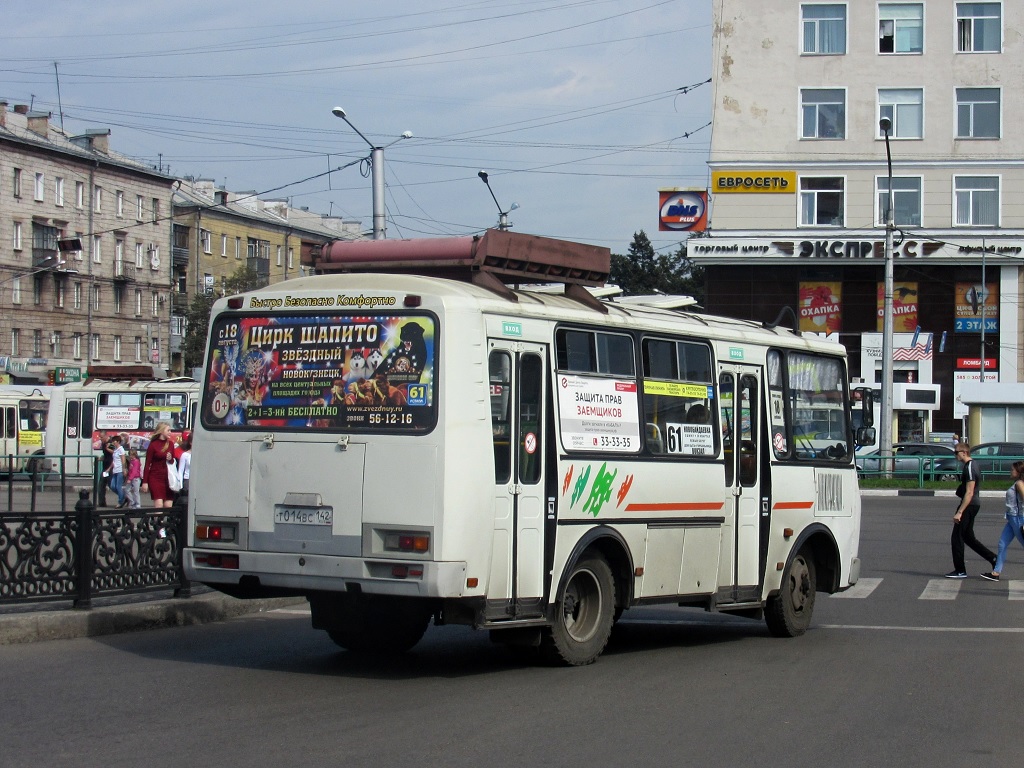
398	448
23	415
84	414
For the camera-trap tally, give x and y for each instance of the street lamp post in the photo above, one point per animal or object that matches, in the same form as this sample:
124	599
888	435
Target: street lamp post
503	222
885	438
377	174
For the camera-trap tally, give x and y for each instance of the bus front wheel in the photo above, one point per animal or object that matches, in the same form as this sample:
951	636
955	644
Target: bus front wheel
584	614
788	614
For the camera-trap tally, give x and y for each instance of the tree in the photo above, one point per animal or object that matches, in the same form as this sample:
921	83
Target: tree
197	318
643	271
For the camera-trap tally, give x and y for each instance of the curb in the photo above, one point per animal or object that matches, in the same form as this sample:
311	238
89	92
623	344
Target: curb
68	624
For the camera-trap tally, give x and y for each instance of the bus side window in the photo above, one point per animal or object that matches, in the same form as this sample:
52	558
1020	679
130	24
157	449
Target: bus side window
500	380
86	419
10	431
531	385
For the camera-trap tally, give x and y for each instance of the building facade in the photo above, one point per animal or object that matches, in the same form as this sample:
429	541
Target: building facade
84	252
800	189
217	232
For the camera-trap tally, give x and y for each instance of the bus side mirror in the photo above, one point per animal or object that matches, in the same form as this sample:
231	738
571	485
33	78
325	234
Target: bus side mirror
867	405
865	436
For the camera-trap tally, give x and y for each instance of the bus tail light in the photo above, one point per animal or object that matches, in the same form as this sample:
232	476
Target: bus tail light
219	533
217	560
395	541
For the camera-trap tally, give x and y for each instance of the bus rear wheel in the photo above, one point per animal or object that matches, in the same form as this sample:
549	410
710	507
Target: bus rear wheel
378	624
788	614
584	614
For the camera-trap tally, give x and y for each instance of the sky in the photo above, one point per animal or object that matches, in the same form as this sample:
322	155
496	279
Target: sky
578	110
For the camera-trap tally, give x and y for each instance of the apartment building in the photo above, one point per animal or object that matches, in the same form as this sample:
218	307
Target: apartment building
84	246
217	231
800	191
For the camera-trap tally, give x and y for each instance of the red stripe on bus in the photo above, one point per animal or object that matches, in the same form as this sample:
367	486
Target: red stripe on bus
794	505
692	506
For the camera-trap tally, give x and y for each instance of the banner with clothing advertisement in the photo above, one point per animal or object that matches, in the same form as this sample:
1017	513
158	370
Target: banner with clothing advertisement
904	307
821	307
973	301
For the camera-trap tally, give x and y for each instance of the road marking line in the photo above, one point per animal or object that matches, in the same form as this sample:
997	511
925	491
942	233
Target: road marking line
998	630
941	589
1016	589
862	588
292	611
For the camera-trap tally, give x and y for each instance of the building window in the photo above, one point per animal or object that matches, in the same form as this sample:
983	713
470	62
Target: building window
76	346
96	256
905	109
979	27
37	343
37	290
56	343
96	298
97	199
156	210
906	200
824	113
238	247
58	294
15	342
58	192
94	347
80	194
118	296
178	325
824	28
119	201
205	239
17	182
977	113
821	201
81	239
138	349
156	303
117	349
224	245
138	255
40	190
900	27
77	294
140	208
291	258
279	255
16	291
138	302
17	235
977	201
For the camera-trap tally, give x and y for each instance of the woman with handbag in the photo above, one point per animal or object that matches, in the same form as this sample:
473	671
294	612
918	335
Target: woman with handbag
1014	519
159	464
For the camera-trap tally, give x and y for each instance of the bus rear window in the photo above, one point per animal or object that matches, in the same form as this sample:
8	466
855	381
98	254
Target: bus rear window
334	372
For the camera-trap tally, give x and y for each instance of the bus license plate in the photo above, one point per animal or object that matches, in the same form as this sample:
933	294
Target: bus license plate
304	515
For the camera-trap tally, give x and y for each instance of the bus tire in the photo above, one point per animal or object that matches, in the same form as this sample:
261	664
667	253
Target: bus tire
379	625
788	614
584	614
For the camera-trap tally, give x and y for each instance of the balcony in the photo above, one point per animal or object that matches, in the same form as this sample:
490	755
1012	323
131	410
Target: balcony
45	258
179	302
124	272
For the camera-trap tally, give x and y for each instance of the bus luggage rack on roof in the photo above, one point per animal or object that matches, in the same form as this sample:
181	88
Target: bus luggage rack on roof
510	257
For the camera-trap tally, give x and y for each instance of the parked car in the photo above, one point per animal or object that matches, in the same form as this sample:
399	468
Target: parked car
994	459
939	461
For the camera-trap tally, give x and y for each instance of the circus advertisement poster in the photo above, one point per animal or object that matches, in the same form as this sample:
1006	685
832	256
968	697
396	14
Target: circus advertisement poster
369	373
974	302
821	307
904	307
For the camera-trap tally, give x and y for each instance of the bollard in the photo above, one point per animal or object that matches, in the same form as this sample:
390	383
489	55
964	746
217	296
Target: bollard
180	509
84	512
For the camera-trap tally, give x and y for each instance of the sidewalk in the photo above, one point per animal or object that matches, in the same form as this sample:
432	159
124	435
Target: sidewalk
35	622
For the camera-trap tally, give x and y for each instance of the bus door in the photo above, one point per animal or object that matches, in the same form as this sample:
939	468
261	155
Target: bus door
517	375
741	437
8	437
79	422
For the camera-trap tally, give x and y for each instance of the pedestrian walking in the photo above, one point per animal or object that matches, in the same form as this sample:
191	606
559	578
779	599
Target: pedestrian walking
1014	520
969	492
133	480
117	470
107	446
185	462
159	461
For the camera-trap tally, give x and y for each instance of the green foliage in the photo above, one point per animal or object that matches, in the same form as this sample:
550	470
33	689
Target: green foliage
642	271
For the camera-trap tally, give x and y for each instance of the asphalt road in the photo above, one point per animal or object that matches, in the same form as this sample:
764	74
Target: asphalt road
907	670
